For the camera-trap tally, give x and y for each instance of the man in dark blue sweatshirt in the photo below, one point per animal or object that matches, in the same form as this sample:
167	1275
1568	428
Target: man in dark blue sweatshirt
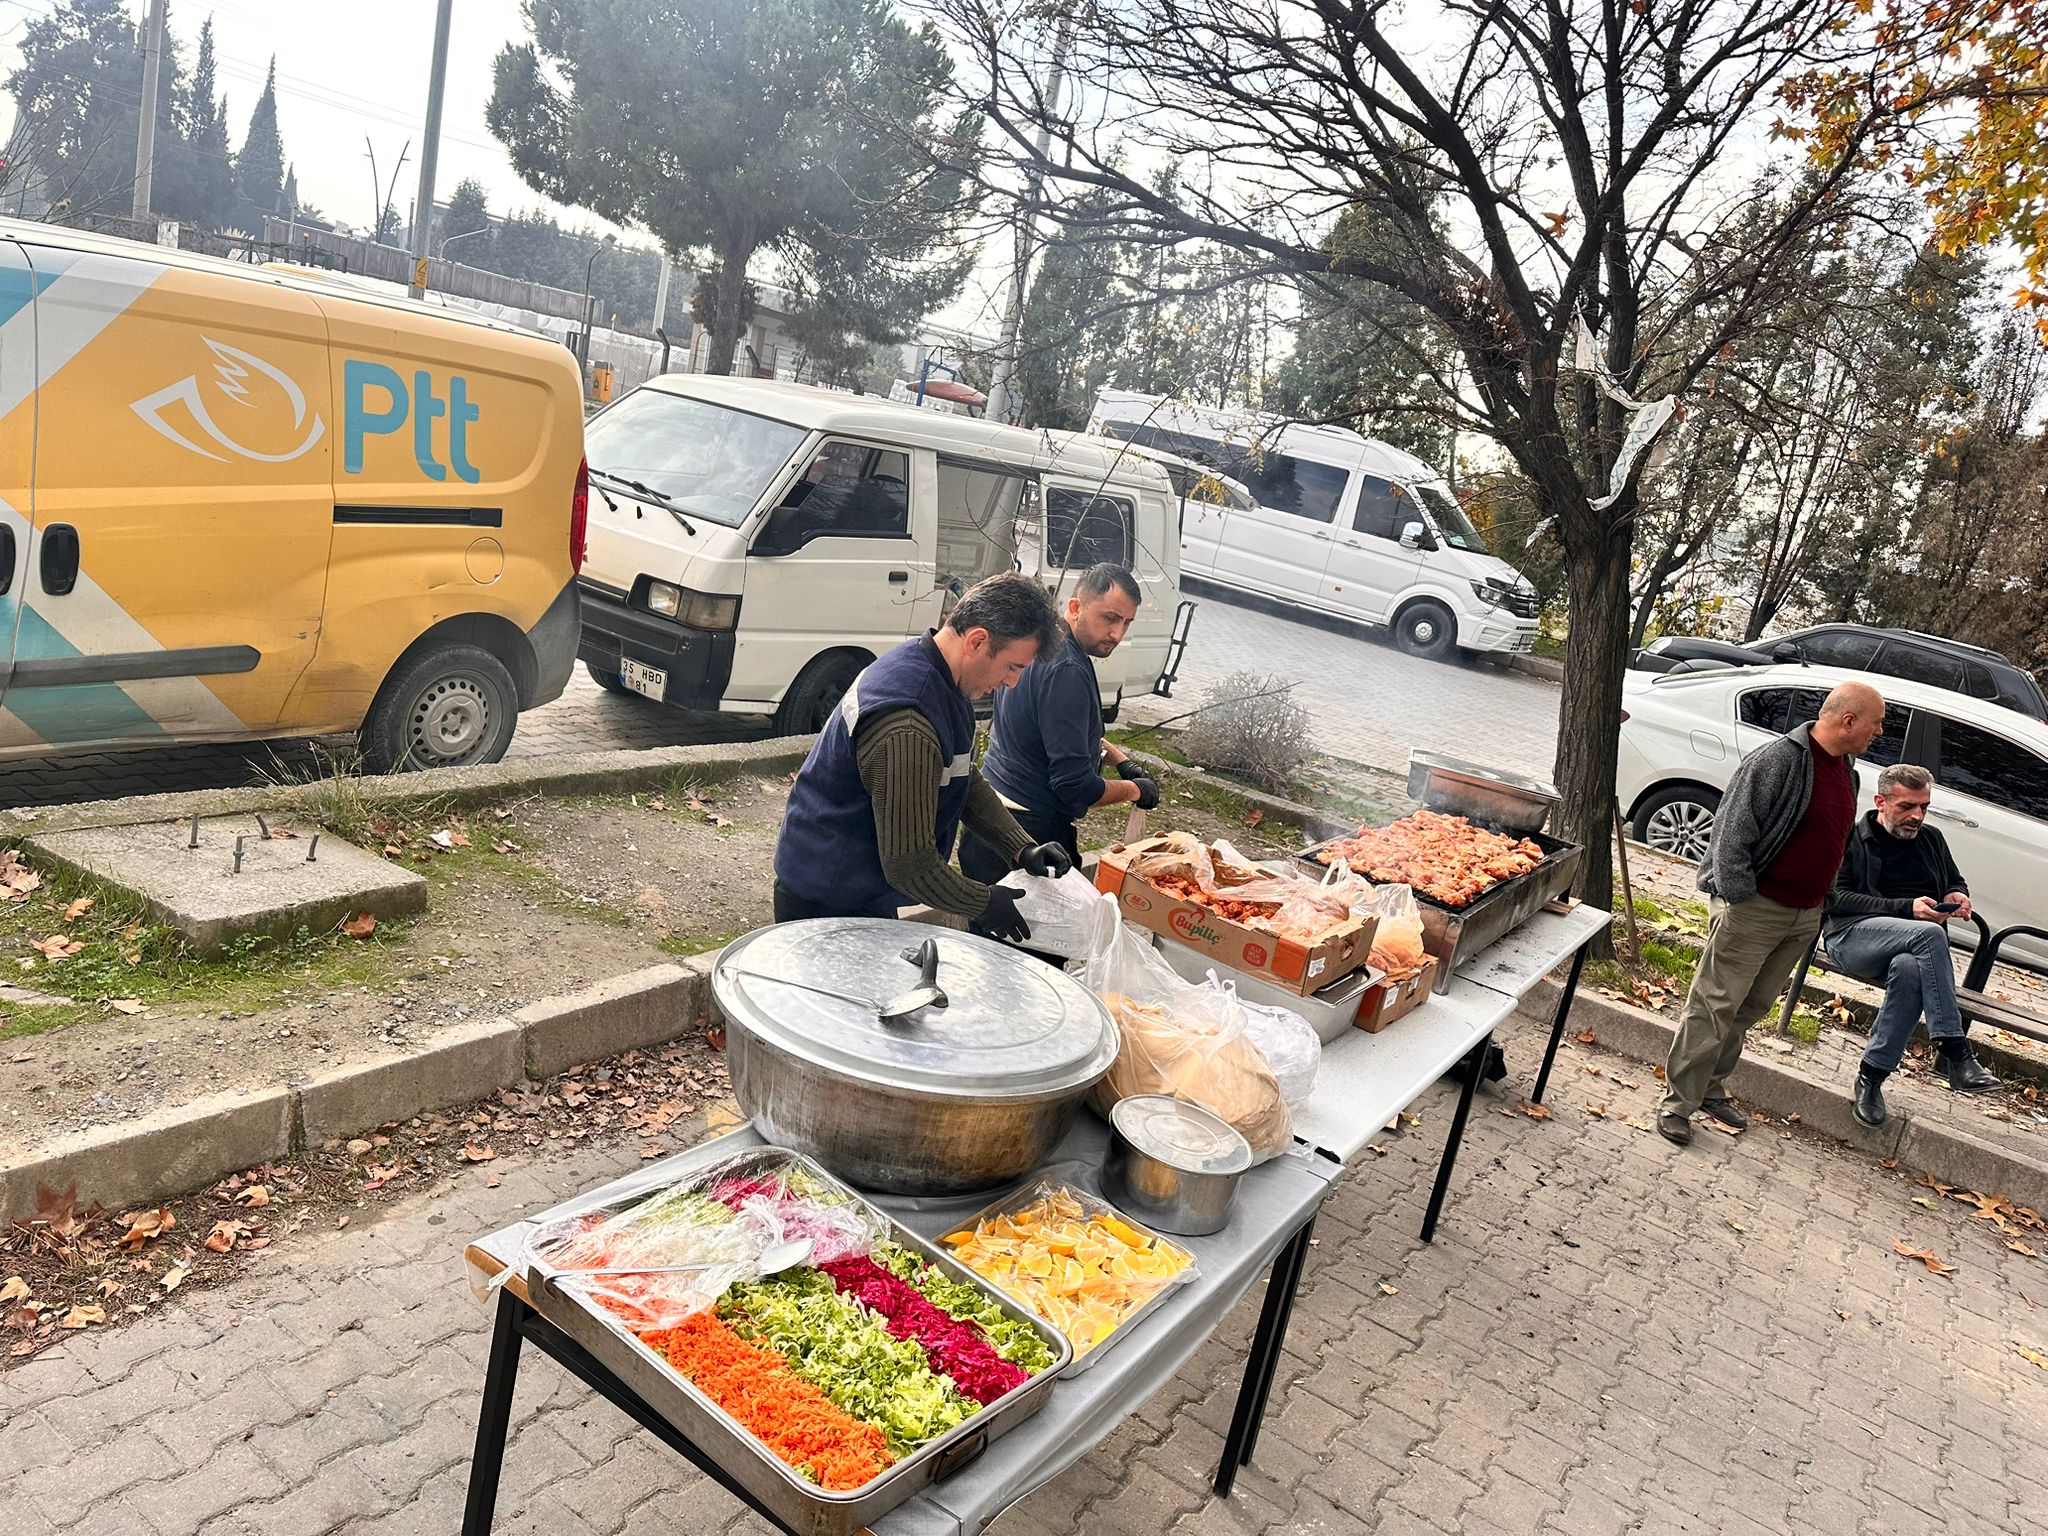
1045	752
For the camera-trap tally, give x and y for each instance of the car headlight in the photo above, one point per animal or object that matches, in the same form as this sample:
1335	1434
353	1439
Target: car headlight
1489	592
711	610
664	598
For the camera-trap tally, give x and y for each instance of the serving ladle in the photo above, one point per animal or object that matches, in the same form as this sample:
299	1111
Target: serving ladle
773	1261
926	994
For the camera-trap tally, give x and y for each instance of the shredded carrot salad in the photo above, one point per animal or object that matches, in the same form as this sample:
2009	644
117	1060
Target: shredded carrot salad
756	1386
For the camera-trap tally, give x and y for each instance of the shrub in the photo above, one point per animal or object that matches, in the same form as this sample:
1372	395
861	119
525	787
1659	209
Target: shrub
1251	726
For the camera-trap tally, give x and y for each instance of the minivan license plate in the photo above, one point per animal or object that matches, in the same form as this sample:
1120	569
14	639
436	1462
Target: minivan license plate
641	678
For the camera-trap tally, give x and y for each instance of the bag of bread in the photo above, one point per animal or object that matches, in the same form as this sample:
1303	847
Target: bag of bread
1397	942
1183	1039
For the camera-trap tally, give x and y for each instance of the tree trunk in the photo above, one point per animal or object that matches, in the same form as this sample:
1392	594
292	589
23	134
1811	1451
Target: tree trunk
1589	714
725	312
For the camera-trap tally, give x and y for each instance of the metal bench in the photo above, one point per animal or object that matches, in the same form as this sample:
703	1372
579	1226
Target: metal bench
1976	1005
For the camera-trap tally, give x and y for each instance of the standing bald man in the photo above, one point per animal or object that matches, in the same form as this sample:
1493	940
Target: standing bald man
1779	833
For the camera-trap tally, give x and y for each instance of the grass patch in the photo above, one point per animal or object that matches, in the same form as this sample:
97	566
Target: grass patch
1648	911
1551	646
684	945
1676	962
1804	1026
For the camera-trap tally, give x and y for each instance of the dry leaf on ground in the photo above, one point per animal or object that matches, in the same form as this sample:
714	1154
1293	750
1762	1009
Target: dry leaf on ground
173	1277
1534	1111
254	1195
83	1317
128	1005
1587	1037
78	909
2032	1356
57	946
477	1152
143	1225
1924	1255
1717	1125
16	1289
225	1234
361	926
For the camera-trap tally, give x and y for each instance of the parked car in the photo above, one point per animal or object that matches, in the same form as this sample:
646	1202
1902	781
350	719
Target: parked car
1950	664
754	544
1684	732
1336	523
239	503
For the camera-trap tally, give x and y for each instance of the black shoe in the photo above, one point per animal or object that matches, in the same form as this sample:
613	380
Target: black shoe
1675	1128
1870	1097
1724	1110
1965	1073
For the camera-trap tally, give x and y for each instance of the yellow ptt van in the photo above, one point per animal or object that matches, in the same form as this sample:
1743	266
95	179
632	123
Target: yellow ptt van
240	502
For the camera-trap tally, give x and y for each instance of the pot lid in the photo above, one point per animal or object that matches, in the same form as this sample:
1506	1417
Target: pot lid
1012	1028
1181	1135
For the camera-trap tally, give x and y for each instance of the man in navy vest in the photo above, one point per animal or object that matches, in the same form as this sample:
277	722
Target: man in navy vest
1045	748
891	780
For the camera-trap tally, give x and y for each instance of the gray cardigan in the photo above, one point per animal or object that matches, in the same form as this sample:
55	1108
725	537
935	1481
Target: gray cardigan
1759	811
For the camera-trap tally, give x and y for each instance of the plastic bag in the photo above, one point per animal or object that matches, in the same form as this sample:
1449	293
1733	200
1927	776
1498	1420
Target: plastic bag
1289	1043
1397	942
723	1217
1183	1039
1182	856
1064	915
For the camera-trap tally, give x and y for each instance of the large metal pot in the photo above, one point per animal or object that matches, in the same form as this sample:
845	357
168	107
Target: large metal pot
964	1096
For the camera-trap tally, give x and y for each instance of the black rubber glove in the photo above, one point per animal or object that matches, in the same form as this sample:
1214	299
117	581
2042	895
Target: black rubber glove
1130	769
1002	919
1048	859
1148	790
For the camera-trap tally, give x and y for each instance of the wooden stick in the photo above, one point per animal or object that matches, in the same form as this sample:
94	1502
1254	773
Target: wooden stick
1628	895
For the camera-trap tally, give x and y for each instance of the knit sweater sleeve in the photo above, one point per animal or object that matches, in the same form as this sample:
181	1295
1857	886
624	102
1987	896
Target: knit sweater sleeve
990	820
900	764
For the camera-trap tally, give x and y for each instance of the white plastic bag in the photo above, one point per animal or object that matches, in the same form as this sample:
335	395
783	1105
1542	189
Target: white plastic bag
1289	1043
1064	915
1183	1039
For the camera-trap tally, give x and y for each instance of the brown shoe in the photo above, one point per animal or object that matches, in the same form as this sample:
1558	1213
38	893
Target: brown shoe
1675	1128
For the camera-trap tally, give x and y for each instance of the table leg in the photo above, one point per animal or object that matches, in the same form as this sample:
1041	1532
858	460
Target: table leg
1263	1361
495	1419
1455	1139
1564	1008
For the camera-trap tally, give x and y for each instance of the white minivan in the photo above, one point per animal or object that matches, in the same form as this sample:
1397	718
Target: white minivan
1338	523
754	544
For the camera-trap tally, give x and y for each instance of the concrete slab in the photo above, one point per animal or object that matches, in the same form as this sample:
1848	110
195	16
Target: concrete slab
198	891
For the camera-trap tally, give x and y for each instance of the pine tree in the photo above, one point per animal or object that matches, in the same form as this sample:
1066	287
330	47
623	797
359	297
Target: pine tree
209	180
259	167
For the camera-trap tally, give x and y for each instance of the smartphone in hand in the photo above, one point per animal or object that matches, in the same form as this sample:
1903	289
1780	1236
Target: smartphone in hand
1948	906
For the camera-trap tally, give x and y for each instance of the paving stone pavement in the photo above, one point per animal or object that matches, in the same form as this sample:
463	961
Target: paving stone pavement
1369	704
1609	1335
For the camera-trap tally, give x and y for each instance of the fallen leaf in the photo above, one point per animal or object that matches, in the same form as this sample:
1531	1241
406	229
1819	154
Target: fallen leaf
501	845
2032	1356
254	1195
1534	1111
78	909
361	926
477	1152
173	1277
83	1317
1844	1316
1738	1226
2015	1246
340	1222
1924	1255
1715	1125
442	839
108	1286
1254	816
143	1225
223	1235
1587	1037
649	1152
1389	1290
656	803
16	1289
128	1005
57	946
458	839
1890	1164
1923	1200
392	851
1597	1111
56	1213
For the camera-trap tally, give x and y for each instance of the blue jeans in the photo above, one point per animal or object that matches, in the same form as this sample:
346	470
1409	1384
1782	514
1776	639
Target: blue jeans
1912	959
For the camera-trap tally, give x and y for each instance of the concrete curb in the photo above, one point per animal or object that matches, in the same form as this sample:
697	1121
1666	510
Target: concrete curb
560	773
190	1146
1781	1089
1548	668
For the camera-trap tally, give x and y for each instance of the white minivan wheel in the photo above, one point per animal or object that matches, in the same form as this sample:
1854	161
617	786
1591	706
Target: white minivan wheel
448	707
1426	629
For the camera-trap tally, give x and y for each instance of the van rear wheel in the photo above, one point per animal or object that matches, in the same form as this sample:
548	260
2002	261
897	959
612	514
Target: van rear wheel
1427	630
448	707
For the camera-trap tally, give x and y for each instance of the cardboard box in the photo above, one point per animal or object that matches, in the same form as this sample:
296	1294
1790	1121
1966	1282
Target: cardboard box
1387	1001
1297	968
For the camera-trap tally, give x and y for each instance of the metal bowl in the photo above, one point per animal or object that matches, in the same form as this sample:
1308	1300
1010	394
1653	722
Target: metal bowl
1174	1164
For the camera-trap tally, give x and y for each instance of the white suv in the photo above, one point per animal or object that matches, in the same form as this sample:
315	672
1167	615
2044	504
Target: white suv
1684	732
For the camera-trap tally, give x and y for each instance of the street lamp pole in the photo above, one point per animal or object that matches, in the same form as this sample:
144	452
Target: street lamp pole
583	341
466	234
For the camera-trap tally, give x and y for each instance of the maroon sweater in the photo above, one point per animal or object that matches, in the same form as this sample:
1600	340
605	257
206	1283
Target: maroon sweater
1804	872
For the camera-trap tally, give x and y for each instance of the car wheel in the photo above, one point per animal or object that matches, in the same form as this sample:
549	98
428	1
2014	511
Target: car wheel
610	682
815	694
1427	630
1679	820
446	708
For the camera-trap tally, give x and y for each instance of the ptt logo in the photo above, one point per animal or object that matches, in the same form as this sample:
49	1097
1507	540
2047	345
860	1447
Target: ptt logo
245	389
376	403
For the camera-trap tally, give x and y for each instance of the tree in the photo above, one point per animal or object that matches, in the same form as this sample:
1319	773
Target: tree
734	127
468	211
259	166
207	168
77	86
1536	168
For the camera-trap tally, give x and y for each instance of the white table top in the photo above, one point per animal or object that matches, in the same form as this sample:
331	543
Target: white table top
1365	1080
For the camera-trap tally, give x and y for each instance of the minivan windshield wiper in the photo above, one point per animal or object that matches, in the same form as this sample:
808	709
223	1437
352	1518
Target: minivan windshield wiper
640	488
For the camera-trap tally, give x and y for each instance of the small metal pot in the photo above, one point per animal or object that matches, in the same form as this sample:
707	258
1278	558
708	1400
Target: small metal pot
1174	1165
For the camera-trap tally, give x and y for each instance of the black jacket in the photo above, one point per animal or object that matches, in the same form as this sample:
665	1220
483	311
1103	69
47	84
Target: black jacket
1855	894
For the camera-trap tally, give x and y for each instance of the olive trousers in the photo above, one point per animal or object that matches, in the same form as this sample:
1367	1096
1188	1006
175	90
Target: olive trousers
1752	949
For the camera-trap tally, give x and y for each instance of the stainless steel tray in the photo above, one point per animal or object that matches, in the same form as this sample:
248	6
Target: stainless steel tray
1503	801
803	1506
1331	1013
1455	934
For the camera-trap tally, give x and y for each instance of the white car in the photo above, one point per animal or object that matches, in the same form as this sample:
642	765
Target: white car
1683	733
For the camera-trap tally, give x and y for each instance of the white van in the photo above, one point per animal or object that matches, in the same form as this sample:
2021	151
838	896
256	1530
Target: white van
754	544
1339	523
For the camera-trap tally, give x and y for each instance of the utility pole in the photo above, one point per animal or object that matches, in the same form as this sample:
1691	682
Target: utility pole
1002	385
430	151
145	136
661	292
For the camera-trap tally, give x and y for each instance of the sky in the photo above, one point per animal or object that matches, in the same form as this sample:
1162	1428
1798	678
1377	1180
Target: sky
347	70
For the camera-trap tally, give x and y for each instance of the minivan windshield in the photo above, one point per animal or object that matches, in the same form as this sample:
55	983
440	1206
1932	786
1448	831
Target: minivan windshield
711	461
1450	518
